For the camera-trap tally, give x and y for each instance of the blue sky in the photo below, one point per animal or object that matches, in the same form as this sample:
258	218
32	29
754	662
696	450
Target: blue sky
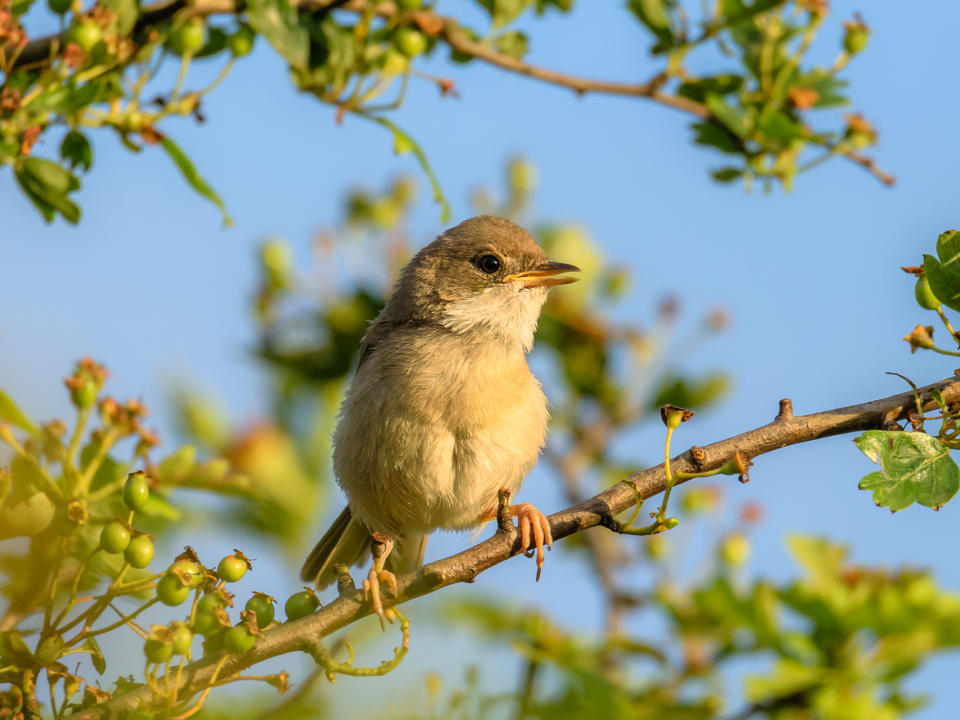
152	285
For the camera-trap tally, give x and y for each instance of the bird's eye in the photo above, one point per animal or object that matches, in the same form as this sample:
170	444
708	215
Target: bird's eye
489	264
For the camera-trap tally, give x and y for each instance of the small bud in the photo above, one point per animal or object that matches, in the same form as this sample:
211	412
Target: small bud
920	337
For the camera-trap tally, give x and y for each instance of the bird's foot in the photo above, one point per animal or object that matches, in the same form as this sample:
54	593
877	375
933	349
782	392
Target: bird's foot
382	545
534	532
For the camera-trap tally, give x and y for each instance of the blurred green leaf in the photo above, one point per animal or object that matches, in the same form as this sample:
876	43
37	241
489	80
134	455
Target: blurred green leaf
76	150
191	175
278	22
10	412
727	114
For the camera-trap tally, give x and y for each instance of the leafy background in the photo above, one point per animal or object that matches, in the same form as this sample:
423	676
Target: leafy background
152	285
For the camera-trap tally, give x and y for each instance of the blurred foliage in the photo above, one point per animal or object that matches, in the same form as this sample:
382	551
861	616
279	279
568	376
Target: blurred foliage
840	641
104	70
81	503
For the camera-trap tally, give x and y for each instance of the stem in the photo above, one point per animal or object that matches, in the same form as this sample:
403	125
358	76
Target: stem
946	324
196	707
83	415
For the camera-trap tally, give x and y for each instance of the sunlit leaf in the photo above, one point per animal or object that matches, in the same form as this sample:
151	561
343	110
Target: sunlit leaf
916	467
191	175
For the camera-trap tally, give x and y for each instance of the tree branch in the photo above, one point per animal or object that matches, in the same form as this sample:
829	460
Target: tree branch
304	635
41	50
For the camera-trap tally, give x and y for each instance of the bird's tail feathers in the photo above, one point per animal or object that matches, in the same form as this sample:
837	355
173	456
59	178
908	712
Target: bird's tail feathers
347	542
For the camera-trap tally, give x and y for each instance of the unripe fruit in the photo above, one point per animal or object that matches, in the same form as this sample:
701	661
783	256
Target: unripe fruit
735	549
925	297
241	42
139	552
238	639
115	537
189	37
262	606
856	38
232	568
181	638
84	396
210	602
410	42
157	651
189	573
172	592
300	605
136	491
86	34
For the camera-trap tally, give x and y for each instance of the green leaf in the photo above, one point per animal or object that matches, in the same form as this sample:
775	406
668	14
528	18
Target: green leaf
96	655
697	90
124	14
727	114
727	174
279	23
47	185
515	44
916	467
654	15
76	150
6	479
196	181
15	416
788	678
943	274
715	135
14	649
403	140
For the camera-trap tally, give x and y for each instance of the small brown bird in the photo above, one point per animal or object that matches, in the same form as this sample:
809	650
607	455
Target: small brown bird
443	410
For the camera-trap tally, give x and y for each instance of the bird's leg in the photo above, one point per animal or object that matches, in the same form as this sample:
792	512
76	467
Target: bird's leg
533	526
382	545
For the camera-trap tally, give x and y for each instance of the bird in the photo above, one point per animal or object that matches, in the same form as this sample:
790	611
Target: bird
443	410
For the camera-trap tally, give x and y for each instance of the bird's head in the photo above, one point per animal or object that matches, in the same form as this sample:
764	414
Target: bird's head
485	276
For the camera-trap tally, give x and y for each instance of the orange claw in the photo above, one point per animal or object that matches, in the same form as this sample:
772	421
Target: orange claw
531	521
371	584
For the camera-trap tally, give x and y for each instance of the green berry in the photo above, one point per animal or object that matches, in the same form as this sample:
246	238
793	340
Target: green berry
157	650
139	552
136	491
735	549
84	396
411	42
924	294
181	638
238	639
86	34
213	642
210	602
262	606
241	42
300	605
205	623
171	591
232	568
189	572
188	38
115	537
856	38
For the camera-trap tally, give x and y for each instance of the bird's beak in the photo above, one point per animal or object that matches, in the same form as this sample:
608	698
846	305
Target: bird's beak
546	274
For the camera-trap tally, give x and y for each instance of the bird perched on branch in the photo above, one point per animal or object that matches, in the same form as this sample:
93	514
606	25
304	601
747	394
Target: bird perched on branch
443	411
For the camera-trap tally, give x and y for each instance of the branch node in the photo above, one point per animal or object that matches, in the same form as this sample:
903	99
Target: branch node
786	411
698	456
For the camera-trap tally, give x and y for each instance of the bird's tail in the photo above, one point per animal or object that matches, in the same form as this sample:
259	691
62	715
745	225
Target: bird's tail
347	542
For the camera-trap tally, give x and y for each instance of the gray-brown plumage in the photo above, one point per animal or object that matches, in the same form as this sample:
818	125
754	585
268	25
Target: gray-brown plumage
443	410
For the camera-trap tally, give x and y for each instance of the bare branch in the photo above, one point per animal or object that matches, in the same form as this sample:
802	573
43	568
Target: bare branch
304	635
